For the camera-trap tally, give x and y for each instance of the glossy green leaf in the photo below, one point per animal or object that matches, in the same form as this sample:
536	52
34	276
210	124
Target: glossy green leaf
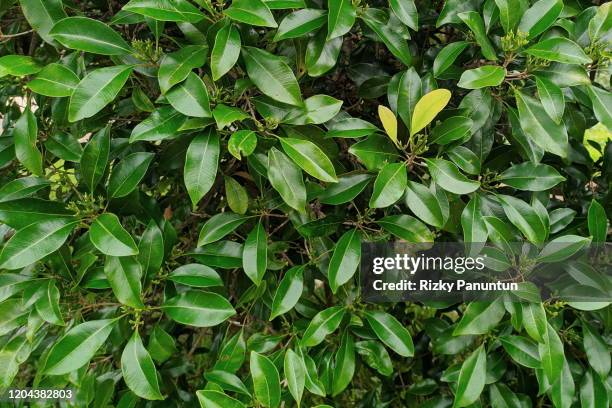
347	188
198	308
42	15
396	44
389	185
124	275
340	18
475	23
54	80
128	174
480	317
109	237
201	162
89	35
163	123
391	332
175	67
190	97
310	158
447	176
286	178
218	226
226	50
255	254
34	242
251	12
217	399
78	346
323	324
300	23
540	16
95	158
532	177
345	259
447	56
345	365
99	88
559	49
138	370
25	136
167	10
407	228
289	291
272	76
236	195
295	372
266	381
471	378
406	11
486	76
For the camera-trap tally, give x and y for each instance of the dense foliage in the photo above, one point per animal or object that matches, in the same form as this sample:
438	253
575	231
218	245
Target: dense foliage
186	185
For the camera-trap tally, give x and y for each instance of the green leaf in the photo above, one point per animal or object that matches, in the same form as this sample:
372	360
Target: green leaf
272	76
340	19
525	218
540	16
295	372
289	291
34	242
48	305
532	177
536	124
300	23
195	275
502	396
226	50
345	365
217	399
89	35
226	115
128	174
201	163
236	196
453	128
403	93
522	350
509	13
427	108
596	350
424	204
593	391
597	222
447	176
321	54
317	109
99	88
198	308
475	23
64	146
447	55
124	275
95	158
551	354
231	356
218	226
78	346
559	49
161	345
601	100
324	323
480	317
163	123
563	247
406	11
375	355
345	259
18	65
286	178
551	97
21	187
25	134
391	332
389	185
22	212
175	67
534	321
310	158
475	231
242	142
406	228
471	378
252	12
168	10
266	381
190	97
488	75
54	80
227	381
389	35
138	370
346	189
42	15
255	254
110	238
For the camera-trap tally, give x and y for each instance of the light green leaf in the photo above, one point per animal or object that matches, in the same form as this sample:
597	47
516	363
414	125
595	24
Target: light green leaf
532	177
25	134
300	23
252	12
559	49
255	254
295	372
266	381
110	238
471	378
54	80
166	10
406	228
198	308
190	97
124	275
345	259
95	158
324	323
218	226
175	67
427	108
391	332
286	178
447	176
226	50
89	35
486	76
289	291
310	158
138	370
128	174
541	15
340	18
201	163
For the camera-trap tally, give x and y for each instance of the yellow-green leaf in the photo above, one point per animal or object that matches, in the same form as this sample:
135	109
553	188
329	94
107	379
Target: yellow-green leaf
427	108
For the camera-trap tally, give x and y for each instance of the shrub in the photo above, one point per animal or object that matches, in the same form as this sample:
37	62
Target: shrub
187	185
